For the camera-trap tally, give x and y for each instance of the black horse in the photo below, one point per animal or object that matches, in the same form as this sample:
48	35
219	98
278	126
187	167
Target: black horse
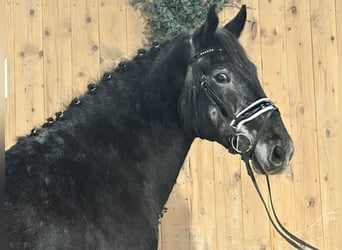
97	176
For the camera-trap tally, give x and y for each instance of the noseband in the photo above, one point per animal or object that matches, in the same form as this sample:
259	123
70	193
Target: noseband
251	112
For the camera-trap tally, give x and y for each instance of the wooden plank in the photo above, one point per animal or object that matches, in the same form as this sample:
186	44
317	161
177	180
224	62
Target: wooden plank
112	29
29	87
202	196
228	196
226	189
279	84
325	69
85	44
3	71
175	227
303	128
64	55
135	27
305	189
250	40
228	186
338	183
50	44
10	135
254	215
57	55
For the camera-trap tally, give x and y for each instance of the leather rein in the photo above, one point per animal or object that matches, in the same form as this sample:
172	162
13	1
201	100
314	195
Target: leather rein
247	114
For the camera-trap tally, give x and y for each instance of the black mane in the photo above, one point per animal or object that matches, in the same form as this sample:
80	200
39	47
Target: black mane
136	86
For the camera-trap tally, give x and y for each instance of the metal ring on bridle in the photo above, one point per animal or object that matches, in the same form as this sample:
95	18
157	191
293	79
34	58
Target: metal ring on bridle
235	143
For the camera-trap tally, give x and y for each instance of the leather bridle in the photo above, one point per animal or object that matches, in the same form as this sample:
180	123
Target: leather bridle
252	111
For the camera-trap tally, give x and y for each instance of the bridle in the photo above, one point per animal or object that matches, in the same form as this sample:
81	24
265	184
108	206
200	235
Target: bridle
252	111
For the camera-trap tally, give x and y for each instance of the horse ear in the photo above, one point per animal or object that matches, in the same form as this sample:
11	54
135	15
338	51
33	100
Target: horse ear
208	29
236	25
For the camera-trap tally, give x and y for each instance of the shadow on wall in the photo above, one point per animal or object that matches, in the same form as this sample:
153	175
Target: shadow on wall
204	210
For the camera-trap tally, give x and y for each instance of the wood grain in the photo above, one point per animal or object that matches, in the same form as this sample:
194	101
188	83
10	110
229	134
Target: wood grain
303	117
10	128
112	32
325	69
28	66
57	55
85	44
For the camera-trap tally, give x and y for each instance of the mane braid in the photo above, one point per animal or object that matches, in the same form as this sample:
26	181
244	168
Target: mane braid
127	76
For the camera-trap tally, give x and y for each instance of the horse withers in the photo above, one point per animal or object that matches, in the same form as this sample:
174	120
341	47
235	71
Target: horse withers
98	174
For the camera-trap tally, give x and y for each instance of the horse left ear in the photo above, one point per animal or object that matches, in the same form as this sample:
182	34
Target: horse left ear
236	25
208	29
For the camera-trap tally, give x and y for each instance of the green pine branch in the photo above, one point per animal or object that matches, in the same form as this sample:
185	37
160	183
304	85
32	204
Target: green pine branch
166	17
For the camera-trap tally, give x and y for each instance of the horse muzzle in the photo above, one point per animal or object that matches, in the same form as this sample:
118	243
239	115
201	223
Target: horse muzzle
272	157
270	147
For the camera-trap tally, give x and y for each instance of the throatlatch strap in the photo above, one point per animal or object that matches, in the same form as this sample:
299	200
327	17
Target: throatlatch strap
289	237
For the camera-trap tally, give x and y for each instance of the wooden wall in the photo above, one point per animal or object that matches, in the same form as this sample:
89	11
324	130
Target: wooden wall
54	48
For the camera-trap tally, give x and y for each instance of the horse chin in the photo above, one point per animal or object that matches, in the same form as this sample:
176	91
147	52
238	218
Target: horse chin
259	168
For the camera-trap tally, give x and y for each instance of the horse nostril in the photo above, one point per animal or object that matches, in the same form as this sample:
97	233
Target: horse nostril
277	156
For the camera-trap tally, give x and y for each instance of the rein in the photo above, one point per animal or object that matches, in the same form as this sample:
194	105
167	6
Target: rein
247	114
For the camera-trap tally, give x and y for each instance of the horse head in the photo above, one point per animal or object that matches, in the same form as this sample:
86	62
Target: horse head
223	100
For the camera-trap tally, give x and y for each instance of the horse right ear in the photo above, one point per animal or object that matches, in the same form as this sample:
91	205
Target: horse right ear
236	25
207	30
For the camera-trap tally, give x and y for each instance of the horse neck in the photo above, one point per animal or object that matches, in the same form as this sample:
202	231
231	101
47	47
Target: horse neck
167	142
136	116
164	82
165	154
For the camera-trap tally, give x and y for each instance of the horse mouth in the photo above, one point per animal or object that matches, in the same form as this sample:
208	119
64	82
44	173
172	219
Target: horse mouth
260	168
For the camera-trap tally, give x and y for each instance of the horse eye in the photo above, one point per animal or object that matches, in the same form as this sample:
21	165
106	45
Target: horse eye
221	77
